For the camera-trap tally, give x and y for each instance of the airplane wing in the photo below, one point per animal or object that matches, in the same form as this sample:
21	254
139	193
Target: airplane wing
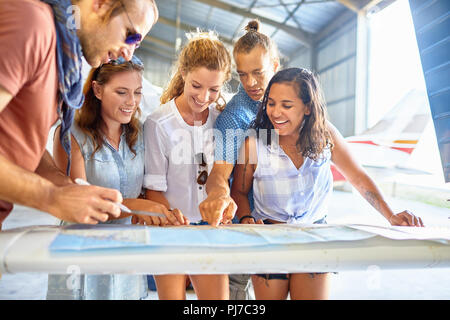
225	249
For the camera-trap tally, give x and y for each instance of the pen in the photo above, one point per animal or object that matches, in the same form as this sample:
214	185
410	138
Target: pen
121	206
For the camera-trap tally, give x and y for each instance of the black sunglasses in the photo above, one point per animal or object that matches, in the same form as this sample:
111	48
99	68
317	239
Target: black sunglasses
203	174
121	60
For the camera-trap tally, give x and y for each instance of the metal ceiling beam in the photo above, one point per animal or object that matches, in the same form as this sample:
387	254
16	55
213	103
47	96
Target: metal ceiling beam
289	16
177	28
292	3
370	4
350	4
187	27
208	17
304	37
334	25
239	27
385	4
287	10
161	42
173	23
364	6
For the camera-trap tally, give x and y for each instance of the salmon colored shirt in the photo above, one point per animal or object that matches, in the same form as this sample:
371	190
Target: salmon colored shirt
28	71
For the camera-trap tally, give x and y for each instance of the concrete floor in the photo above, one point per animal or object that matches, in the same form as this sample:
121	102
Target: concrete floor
374	283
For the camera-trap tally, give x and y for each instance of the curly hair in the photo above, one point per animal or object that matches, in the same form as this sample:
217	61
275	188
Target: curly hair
88	117
313	136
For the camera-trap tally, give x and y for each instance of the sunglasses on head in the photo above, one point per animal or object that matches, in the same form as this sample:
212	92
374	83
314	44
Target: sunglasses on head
134	60
200	158
121	60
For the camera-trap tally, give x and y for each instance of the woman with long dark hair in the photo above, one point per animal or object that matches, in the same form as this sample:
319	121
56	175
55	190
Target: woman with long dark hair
288	168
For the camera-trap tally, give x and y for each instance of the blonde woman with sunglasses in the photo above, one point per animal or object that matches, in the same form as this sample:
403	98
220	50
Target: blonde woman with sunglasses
179	148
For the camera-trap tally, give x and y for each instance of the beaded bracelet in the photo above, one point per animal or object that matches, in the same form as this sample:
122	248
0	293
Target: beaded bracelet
240	220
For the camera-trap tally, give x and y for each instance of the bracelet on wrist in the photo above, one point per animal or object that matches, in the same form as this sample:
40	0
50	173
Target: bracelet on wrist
247	216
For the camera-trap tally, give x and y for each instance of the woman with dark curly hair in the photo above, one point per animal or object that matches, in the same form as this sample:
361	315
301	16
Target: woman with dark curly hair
288	166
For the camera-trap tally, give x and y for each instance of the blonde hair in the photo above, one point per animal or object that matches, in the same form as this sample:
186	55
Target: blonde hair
203	49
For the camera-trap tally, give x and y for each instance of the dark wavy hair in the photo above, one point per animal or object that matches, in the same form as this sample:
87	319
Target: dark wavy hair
313	136
88	117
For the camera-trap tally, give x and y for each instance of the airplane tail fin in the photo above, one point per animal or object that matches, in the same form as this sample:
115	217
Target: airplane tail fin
391	141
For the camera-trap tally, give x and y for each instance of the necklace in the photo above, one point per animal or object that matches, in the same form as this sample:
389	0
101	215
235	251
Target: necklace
291	147
113	142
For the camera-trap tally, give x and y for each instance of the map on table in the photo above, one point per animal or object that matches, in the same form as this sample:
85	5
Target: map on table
110	236
88	237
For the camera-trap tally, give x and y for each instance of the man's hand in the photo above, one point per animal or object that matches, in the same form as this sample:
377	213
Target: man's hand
83	204
70	202
218	208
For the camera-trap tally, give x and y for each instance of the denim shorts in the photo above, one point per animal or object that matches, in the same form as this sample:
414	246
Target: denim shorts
285	276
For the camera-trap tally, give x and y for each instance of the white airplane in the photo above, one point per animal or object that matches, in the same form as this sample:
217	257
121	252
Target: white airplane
387	148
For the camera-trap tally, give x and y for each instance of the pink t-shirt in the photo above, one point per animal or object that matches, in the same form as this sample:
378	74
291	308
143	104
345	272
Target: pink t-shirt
28	71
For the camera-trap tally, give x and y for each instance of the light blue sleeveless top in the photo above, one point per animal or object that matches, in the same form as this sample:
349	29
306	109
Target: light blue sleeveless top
110	168
284	193
116	169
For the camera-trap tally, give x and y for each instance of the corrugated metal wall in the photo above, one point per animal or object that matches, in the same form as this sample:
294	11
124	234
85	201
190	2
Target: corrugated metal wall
157	69
302	60
432	25
334	60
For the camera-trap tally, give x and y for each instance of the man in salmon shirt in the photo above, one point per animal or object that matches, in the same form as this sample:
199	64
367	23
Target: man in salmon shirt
41	45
